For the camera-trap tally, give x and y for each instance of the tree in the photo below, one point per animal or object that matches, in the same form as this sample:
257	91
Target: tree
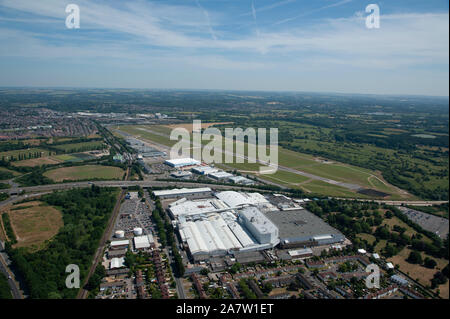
267	288
235	268
204	271
429	263
414	257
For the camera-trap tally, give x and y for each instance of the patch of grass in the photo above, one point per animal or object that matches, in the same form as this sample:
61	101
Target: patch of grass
81	147
84	173
7	173
7	156
285	178
380	246
4	186
37	162
417	271
323	188
34	224
368	237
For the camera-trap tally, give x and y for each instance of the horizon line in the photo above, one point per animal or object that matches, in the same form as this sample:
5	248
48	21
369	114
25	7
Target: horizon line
222	90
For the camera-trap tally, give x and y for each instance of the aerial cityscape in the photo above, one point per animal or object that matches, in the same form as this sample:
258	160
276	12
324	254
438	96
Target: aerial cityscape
174	153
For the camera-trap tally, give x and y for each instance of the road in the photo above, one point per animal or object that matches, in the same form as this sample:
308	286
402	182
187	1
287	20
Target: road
180	289
144	184
13	285
153	183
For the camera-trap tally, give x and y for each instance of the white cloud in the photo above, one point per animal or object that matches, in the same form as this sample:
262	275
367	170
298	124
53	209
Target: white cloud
403	39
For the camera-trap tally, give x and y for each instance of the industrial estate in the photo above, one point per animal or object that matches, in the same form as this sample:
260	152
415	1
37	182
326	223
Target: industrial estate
185	229
224	157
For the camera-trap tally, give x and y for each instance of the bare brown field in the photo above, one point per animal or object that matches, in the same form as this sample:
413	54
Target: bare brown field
423	274
34	224
37	162
2	231
189	126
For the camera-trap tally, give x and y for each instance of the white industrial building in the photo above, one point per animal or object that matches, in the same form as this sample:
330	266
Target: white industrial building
117	263
196	207
220	175
143	242
181	174
204	170
240	180
181	162
183	192
118	244
230	223
259	225
213	236
236	199
212	228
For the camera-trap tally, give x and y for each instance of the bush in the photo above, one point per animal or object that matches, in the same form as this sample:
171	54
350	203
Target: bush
414	257
430	263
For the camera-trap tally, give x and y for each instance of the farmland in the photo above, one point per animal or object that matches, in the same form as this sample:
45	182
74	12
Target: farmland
81	147
86	172
34	223
37	162
23	154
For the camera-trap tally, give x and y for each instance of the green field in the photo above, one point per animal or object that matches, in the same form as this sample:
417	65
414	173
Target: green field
24	152
86	172
368	237
302	162
81	147
286	178
6	171
76	157
139	131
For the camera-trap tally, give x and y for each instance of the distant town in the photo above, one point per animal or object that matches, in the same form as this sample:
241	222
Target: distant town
103	185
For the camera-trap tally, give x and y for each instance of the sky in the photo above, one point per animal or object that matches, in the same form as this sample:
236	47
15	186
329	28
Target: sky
274	45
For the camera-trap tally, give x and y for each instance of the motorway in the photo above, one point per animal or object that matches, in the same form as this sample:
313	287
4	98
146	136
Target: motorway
39	190
123	184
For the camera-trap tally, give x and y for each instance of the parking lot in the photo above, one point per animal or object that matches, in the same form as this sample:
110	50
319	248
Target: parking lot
134	213
435	224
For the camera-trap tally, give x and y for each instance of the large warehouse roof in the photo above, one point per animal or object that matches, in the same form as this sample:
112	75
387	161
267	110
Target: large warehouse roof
194	239
205	170
213	235
235	199
243	236
220	175
124	242
143	241
254	216
117	263
302	225
196	207
180	162
181	191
